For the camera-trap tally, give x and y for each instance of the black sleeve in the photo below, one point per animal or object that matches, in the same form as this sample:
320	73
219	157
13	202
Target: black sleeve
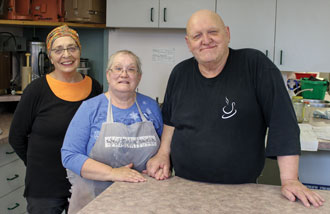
23	119
96	88
283	133
178	77
167	105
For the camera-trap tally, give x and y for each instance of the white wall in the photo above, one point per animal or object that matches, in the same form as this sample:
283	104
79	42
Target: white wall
159	50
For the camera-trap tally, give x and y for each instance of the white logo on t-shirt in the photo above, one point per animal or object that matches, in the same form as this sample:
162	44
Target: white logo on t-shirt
228	110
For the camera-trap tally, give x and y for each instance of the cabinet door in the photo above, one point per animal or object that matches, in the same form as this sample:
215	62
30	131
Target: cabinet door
175	14
13	203
11	177
251	23
132	13
7	154
303	35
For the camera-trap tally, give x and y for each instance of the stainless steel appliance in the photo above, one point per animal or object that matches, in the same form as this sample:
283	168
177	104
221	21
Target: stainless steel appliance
39	61
84	66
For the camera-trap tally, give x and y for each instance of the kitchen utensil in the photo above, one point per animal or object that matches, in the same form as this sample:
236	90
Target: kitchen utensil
26	72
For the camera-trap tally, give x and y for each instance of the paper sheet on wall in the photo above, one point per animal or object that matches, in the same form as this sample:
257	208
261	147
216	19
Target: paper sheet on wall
322	132
308	138
163	55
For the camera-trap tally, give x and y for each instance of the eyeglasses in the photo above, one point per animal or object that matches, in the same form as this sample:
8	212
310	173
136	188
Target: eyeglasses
60	51
120	70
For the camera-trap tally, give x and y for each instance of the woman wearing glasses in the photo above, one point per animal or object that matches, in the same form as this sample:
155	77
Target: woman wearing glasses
42	117
113	135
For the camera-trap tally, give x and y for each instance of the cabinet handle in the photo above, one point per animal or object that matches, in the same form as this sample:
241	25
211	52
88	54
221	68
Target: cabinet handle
267	53
164	14
9	153
152	14
13	178
281	56
14	207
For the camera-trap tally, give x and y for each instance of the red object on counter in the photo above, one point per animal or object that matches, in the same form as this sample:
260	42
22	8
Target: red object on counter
304	75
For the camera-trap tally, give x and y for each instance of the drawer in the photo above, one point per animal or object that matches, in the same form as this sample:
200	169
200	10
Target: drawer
12	177
7	154
13	203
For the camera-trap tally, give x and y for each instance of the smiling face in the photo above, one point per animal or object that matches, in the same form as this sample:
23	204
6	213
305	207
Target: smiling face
207	37
67	61
123	75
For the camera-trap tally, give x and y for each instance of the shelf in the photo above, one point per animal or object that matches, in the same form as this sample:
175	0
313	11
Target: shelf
45	24
10	98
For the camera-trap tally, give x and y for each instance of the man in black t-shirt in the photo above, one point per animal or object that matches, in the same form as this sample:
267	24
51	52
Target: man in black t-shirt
217	108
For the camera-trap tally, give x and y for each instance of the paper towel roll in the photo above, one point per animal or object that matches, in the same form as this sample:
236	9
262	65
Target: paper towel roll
26	76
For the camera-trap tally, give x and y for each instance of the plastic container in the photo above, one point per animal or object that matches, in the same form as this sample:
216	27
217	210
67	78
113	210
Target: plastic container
319	88
299	108
304	75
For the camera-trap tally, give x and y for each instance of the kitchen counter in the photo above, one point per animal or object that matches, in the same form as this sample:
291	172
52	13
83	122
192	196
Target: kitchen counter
323	144
177	195
5	121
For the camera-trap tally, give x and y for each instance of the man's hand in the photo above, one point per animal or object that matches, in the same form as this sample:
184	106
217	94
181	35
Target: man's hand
293	189
158	166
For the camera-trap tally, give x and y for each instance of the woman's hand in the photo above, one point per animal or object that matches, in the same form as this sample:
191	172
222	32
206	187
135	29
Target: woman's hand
127	174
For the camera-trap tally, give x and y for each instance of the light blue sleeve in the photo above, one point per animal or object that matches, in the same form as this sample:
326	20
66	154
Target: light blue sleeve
74	149
152	112
159	121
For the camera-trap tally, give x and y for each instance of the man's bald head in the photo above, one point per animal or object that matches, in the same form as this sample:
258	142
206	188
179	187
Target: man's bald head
203	15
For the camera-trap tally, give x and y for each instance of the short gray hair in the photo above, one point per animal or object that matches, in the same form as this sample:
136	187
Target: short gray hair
136	58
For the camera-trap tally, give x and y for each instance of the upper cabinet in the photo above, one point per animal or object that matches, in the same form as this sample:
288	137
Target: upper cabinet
251	23
175	14
132	13
294	33
302	41
153	13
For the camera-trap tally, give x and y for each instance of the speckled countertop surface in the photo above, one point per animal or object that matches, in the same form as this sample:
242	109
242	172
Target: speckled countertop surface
5	121
177	195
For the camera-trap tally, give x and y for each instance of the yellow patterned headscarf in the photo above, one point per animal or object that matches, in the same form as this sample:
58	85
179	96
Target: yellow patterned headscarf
61	31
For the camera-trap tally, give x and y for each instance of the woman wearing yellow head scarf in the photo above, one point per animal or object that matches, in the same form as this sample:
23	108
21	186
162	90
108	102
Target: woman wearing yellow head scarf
42	117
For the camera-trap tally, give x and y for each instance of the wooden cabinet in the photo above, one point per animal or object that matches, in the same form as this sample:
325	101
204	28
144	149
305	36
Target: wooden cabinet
294	33
153	13
12	175
251	23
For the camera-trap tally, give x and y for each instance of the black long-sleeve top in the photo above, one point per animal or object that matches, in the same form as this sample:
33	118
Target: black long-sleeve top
36	134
